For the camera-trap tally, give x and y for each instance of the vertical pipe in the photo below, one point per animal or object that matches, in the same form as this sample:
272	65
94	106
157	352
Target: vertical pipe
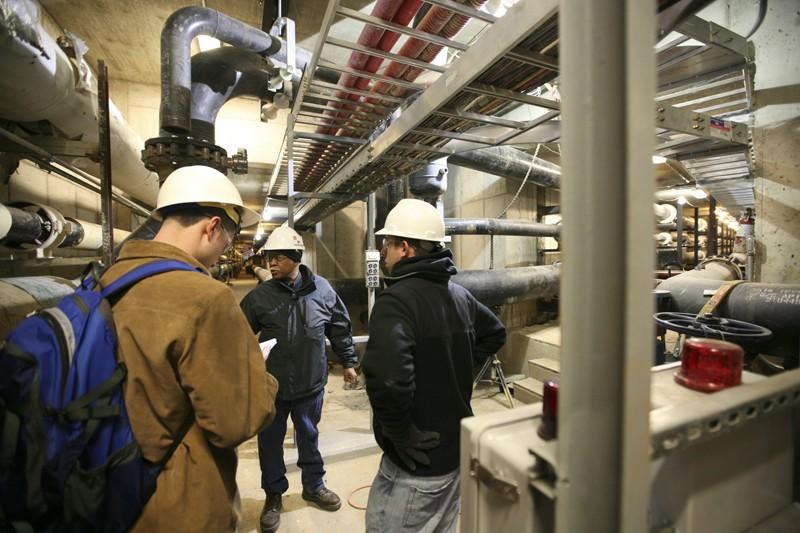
608	75
103	119
712	232
370	246
750	246
290	169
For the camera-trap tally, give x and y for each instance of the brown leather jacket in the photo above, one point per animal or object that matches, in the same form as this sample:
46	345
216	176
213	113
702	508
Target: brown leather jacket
190	353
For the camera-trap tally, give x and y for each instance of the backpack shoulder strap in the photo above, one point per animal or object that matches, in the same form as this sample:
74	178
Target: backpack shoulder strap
145	271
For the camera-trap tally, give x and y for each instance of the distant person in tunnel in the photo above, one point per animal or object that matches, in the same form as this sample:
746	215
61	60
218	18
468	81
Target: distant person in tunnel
425	335
297	309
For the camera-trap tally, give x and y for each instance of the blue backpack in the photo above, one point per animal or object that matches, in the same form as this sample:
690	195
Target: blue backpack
68	458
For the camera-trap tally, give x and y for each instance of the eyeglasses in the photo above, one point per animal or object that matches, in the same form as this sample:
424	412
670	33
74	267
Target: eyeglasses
387	241
276	257
231	239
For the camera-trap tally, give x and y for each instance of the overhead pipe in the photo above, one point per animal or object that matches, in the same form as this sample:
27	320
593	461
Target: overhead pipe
220	75
511	163
176	47
38	82
499	226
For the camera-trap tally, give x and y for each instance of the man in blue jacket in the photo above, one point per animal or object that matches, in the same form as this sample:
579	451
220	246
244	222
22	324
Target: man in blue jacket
298	310
425	335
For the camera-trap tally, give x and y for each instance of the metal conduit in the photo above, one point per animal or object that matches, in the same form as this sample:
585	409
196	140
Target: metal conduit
499	226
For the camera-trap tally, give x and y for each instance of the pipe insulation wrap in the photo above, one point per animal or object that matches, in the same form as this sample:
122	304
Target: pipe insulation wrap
664	213
39	82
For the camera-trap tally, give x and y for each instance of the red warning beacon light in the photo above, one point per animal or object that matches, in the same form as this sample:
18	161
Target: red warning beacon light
709	365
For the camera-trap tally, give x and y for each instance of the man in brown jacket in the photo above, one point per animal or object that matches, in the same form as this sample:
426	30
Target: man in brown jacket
191	355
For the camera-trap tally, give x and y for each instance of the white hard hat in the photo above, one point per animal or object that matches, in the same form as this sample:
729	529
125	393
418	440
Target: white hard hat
199	184
284	238
414	219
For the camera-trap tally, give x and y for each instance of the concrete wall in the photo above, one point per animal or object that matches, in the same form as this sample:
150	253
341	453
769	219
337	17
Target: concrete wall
776	137
473	194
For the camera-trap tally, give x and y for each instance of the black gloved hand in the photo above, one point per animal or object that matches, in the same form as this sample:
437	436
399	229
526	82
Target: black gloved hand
409	446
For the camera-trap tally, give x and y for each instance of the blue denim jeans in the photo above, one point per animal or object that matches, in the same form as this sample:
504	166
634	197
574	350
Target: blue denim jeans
399	501
305	413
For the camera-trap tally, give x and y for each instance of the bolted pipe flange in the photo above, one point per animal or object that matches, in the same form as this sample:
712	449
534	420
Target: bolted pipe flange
165	154
238	162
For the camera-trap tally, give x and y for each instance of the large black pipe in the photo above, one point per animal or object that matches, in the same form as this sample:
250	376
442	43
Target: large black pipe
176	38
511	163
773	306
499	226
491	287
219	75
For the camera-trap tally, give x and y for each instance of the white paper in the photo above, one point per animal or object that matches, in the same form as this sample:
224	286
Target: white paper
266	346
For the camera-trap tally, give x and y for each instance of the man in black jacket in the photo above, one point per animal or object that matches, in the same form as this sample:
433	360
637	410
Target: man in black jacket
425	335
298	310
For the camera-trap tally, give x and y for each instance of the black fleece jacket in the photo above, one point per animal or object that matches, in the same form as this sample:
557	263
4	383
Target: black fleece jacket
425	335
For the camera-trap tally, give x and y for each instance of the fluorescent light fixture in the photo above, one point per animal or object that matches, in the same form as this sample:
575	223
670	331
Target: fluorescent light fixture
699	194
659	159
266	214
206	42
681	200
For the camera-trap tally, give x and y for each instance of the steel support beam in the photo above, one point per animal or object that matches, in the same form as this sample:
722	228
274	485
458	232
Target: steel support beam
608	86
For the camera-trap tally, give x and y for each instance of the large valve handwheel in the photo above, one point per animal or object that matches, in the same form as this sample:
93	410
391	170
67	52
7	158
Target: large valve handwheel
712	327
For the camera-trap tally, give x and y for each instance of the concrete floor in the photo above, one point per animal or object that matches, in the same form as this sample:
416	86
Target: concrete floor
351	457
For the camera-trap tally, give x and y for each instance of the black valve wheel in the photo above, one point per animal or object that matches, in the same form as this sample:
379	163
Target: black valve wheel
713	327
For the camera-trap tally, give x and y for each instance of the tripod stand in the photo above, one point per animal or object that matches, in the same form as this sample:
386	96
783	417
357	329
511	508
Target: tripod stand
497	377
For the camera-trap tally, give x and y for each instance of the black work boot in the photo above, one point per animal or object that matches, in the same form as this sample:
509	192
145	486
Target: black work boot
325	499
271	513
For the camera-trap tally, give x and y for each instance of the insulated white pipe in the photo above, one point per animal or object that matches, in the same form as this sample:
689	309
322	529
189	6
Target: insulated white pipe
39	82
5	221
664	213
93	236
664	238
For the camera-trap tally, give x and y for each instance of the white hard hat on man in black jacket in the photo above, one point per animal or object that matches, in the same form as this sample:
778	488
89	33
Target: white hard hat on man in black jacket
425	335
